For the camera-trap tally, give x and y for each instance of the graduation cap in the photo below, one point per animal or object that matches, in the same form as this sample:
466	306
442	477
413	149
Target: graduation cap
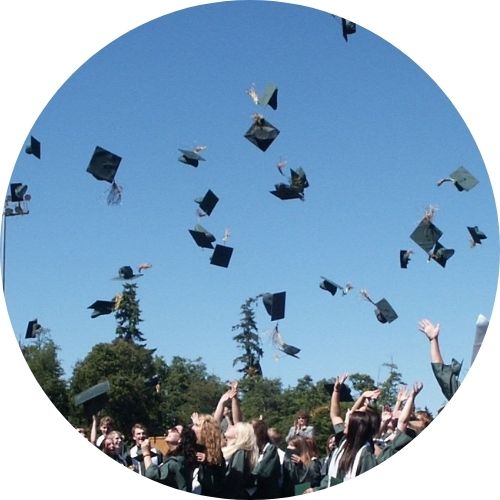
441	254
298	179
426	234
282	346
34	148
33	329
101	307
221	256
94	398
261	133
404	258
275	304
345	392
202	237
332	287
191	157
476	235
286	192
103	166
383	310
18	192
482	324
207	202
461	178
269	97
127	273
348	28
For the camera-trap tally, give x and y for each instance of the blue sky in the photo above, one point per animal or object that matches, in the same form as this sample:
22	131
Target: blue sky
373	132
46	42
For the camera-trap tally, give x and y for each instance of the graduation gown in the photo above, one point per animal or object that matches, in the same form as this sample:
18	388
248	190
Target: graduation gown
268	473
211	478
239	482
447	377
172	472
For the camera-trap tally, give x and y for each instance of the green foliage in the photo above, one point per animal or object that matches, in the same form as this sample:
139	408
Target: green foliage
390	387
43	361
128	315
361	382
248	341
126	366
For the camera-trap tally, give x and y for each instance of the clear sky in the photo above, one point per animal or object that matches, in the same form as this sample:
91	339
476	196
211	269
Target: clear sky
373	133
455	42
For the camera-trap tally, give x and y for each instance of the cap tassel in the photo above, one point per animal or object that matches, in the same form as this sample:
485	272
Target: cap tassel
446	179
364	295
252	92
348	287
429	214
115	194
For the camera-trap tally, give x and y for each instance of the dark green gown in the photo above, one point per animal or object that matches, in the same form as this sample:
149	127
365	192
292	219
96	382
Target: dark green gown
268	474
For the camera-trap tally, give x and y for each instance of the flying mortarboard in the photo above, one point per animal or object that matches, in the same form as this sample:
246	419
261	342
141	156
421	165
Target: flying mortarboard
94	398
33	329
332	287
275	304
202	237
298	179
101	307
383	310
34	148
207	202
221	256
127	273
190	157
345	392
441	254
286	192
426	234
348	28
18	192
476	234
261	133
103	166
461	178
404	258
269	97
279	344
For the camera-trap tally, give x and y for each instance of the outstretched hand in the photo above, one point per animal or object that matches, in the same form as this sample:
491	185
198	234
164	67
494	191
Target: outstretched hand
339	381
430	330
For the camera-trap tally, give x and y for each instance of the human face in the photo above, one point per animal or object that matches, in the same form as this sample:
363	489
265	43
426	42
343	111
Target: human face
117	440
302	420
139	435
109	446
173	436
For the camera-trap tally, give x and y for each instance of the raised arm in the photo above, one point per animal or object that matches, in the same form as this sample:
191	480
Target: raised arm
431	331
365	396
409	407
335	401
235	404
93	430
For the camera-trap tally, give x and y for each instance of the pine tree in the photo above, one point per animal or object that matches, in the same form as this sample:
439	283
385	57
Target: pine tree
128	315
248	341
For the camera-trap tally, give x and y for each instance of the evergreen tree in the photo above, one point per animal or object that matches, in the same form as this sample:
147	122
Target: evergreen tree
390	387
128	315
248	341
43	361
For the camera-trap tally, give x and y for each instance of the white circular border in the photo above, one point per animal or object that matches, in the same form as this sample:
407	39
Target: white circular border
44	42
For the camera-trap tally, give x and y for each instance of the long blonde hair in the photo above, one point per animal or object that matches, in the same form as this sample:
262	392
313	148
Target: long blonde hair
245	440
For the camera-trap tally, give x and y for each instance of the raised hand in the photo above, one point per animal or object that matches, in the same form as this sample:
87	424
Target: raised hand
430	330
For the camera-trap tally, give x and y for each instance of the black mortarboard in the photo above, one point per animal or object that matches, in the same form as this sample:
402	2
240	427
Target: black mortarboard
286	192
101	307
94	398
221	256
152	381
441	254
208	202
279	344
348	28
190	157
426	235
332	287
345	392
103	165
202	237
270	96
461	178
33	329
127	273
298	179
261	133
404	258
476	235
384	311
275	305
17	191
34	148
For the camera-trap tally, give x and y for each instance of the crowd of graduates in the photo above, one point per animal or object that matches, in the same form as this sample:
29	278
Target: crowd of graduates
227	456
